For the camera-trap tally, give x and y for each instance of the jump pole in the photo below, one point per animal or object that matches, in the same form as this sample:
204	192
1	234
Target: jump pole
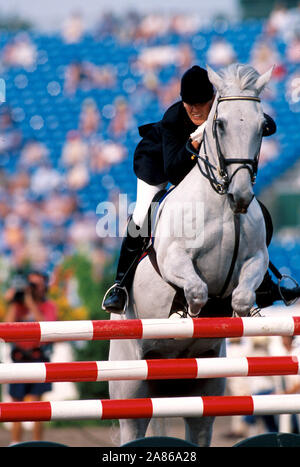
57	331
150	408
186	368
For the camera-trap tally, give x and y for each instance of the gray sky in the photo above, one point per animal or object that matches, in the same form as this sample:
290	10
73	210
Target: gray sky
48	14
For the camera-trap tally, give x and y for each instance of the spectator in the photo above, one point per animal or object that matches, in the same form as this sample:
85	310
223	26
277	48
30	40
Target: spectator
108	25
78	176
86	75
73	28
106	154
89	118
75	150
45	179
292	27
13	232
121	122
74	75
28	302
20	52
33	153
10	136
292	91
278	20
159	56
293	49
264	56
152	26
185	24
269	150
59	208
220	53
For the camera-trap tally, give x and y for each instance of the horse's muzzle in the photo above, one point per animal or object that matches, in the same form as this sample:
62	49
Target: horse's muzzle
239	205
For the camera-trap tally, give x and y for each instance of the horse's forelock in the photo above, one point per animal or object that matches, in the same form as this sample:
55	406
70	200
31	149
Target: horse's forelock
243	76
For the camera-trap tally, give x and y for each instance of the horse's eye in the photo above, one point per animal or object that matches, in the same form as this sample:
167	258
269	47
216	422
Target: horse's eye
220	124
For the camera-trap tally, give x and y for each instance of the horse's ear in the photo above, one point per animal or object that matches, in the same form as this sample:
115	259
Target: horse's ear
214	78
263	80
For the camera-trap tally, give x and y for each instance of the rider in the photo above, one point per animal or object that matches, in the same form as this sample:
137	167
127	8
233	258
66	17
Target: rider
161	157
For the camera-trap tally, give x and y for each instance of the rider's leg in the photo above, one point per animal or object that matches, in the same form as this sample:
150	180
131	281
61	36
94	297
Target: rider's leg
268	291
131	247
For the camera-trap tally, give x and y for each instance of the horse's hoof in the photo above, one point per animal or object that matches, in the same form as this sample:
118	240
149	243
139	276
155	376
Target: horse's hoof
179	314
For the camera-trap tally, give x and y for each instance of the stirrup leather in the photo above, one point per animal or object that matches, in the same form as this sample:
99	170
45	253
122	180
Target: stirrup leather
293	300
116	285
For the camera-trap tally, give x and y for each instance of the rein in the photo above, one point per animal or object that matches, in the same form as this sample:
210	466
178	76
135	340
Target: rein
221	186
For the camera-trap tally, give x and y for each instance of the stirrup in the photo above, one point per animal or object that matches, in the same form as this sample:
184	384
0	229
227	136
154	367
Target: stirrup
116	285
287	302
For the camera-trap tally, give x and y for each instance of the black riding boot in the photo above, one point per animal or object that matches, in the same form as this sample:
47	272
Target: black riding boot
131	250
268	293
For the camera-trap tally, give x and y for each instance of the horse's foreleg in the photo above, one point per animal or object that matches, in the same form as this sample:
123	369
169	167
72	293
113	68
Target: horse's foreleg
251	276
131	429
177	268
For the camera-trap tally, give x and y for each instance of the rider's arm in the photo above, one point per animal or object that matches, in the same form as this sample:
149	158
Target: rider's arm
177	160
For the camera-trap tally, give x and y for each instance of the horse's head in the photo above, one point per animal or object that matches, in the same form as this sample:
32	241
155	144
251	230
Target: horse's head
237	123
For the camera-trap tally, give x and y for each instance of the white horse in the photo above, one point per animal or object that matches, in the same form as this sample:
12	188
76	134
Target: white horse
199	264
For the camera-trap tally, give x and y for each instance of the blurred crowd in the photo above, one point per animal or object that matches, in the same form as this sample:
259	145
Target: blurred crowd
44	187
246	426
42	216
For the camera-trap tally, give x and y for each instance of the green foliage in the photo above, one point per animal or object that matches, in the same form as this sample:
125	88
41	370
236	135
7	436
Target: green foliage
14	23
90	291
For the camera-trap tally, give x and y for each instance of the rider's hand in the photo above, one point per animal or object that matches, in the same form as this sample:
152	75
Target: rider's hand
197	135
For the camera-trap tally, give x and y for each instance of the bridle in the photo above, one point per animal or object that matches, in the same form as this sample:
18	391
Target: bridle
222	186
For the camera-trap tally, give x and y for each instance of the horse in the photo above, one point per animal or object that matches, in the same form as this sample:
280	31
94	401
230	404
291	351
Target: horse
221	183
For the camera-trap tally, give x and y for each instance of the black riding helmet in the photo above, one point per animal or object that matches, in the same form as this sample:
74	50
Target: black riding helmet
195	86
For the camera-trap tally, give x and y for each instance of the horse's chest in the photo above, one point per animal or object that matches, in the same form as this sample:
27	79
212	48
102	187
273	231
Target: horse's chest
213	259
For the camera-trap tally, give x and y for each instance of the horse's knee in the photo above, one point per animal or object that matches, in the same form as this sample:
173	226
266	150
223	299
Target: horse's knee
242	301
196	296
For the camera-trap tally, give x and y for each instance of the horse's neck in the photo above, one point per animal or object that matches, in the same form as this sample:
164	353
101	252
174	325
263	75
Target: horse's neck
201	191
202	188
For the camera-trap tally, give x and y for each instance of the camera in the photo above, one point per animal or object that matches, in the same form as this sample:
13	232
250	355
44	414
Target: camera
19	284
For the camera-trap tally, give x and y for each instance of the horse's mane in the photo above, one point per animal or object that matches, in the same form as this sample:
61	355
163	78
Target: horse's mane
242	76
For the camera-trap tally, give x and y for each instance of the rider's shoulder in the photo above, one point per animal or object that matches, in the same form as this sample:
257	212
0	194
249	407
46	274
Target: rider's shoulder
150	130
173	114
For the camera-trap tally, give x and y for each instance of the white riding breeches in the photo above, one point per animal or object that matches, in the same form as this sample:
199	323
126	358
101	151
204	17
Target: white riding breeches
145	194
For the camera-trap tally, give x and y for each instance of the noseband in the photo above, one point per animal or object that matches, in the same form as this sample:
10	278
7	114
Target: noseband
221	187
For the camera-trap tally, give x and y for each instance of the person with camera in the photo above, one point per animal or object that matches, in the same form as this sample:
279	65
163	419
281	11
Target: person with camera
27	301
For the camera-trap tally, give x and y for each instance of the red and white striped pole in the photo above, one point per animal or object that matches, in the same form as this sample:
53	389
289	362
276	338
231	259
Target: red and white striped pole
150	408
186	368
56	331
